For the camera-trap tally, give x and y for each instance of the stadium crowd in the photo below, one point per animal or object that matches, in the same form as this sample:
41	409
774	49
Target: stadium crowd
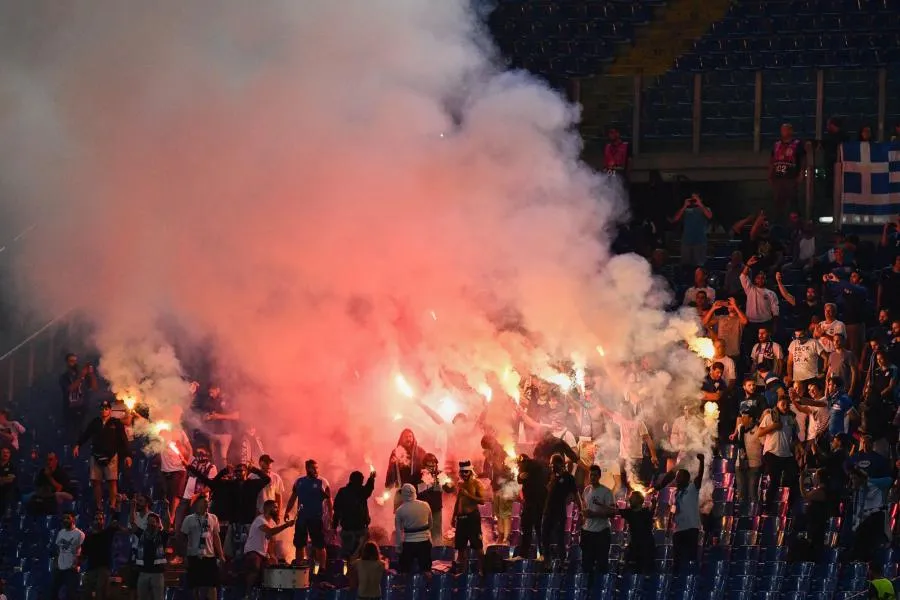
803	372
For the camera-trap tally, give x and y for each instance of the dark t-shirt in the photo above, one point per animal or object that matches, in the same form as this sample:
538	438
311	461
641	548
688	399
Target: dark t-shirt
7	470
534	483
41	483
874	464
805	312
764	246
559	489
150	546
640	526
218	405
97	548
890	289
755	405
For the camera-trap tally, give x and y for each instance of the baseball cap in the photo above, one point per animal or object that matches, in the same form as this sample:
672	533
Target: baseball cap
465	465
105	404
266	458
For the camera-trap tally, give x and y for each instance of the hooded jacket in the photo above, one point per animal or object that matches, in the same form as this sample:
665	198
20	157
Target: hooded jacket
413	519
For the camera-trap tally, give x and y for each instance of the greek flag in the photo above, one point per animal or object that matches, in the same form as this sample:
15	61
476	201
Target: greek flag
870	178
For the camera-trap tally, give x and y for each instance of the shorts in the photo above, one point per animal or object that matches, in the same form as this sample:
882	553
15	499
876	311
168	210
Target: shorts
309	529
415	553
107	472
202	572
468	531
173	484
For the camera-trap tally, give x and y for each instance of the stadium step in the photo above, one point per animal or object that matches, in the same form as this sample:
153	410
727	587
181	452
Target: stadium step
674	28
669	35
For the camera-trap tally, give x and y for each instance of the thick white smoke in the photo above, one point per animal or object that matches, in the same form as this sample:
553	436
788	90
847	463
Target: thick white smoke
328	194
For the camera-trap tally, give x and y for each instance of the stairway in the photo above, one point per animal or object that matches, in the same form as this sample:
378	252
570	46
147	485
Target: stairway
670	34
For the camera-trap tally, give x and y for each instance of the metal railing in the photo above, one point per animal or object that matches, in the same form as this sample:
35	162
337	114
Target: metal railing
736	110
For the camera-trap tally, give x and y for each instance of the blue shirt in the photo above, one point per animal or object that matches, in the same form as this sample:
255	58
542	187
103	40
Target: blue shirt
310	492
839	407
694	226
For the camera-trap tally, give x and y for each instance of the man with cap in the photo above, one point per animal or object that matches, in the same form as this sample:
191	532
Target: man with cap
275	492
109	448
412	523
467	517
275	489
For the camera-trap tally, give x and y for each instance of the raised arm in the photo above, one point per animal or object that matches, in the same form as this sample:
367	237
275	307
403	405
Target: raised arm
783	291
738	227
757	225
698	480
709	314
737	310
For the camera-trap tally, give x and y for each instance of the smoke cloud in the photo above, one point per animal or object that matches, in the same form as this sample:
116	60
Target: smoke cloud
321	195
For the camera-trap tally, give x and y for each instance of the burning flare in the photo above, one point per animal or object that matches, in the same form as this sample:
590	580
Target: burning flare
129	399
486	391
403	386
160	426
711	411
703	347
564	382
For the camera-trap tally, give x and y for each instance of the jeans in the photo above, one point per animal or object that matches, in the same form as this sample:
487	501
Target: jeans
867	538
531	521
553	535
96	581
747	485
781	471
68	580
684	547
151	586
595	551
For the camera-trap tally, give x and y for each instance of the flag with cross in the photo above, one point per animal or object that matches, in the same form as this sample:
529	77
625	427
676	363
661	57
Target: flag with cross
870	184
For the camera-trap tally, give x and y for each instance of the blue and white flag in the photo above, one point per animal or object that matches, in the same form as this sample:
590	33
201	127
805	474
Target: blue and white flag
870	190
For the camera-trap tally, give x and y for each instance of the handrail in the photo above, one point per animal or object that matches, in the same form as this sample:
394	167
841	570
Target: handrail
34	335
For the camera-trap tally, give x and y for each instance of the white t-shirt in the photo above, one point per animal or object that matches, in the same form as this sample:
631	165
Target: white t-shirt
687	508
805	356
730	372
200	531
780	441
596	497
631	436
68	544
257	541
834	328
275	487
806	248
170	461
690	294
